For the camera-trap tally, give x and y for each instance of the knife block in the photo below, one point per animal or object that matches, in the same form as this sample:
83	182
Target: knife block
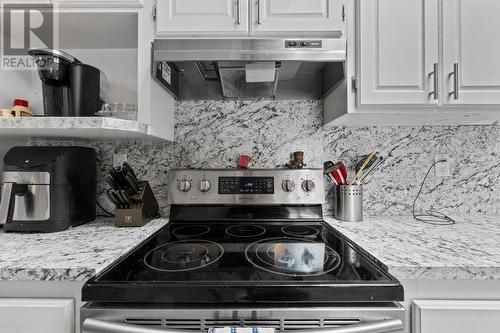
142	212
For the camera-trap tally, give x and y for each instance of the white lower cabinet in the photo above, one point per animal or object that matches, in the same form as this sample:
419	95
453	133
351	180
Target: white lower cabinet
30	315
455	316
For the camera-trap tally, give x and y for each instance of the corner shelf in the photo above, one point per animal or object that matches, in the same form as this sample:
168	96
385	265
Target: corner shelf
73	127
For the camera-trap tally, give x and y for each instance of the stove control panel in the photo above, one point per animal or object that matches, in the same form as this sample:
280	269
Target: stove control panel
246	187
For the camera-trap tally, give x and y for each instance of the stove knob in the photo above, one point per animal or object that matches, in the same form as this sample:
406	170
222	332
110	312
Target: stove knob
308	185
184	185
288	185
204	185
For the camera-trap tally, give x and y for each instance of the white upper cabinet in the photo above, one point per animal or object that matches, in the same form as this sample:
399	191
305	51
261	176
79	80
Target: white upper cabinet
398	51
202	17
400	43
297	16
471	29
97	4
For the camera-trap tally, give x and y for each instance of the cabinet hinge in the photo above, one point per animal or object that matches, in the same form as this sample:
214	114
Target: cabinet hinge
354	84
153	12
343	13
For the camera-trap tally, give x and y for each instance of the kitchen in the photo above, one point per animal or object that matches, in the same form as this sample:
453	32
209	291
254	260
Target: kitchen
397	90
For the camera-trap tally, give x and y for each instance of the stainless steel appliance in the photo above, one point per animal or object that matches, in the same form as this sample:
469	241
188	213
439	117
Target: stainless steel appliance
47	189
70	88
271	68
245	248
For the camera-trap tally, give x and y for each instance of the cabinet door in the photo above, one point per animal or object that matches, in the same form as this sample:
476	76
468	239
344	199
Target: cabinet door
21	315
202	17
470	44
300	17
397	50
99	3
455	316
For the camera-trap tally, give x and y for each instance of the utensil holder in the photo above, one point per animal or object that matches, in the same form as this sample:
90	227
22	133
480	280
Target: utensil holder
349	203
142	212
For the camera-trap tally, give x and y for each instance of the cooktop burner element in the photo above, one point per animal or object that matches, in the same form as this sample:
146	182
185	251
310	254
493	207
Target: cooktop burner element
292	256
191	231
185	255
245	230
300	231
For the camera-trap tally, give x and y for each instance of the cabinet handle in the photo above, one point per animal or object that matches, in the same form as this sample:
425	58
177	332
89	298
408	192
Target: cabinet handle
238	12
154	12
455	74
258	12
435	72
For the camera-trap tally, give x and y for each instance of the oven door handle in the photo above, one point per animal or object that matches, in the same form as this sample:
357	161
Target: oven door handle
91	325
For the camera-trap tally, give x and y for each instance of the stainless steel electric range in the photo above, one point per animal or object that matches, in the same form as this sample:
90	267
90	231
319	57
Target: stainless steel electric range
244	248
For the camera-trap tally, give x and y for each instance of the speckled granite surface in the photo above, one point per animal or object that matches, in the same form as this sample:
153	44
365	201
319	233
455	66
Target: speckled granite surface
469	249
72	122
411	250
214	133
72	255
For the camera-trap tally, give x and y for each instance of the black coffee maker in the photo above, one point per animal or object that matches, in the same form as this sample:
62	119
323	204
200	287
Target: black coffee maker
70	88
47	189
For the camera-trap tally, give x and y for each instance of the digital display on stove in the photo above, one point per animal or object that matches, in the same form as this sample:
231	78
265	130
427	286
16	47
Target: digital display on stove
246	185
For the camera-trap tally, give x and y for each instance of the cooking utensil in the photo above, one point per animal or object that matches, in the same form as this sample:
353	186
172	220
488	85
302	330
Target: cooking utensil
132	184
363	166
371	169
118	199
328	168
337	175
332	178
111	182
130	170
124	198
337	172
118	178
112	198
127	198
363	160
343	170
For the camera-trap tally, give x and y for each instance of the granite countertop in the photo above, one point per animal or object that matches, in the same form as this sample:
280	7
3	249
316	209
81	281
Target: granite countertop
469	249
410	249
72	255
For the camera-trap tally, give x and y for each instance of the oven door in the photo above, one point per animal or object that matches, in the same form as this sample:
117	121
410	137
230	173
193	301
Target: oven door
343	318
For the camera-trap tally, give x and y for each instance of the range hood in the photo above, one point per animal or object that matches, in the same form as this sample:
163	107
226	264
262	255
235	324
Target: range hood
264	68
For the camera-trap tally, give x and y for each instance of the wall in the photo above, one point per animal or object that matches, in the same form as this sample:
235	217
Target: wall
121	84
213	134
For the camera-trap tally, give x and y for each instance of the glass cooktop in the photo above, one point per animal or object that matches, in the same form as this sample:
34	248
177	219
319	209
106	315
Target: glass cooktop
228	262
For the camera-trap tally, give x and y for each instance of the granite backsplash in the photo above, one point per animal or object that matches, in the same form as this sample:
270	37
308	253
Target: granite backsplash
214	133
